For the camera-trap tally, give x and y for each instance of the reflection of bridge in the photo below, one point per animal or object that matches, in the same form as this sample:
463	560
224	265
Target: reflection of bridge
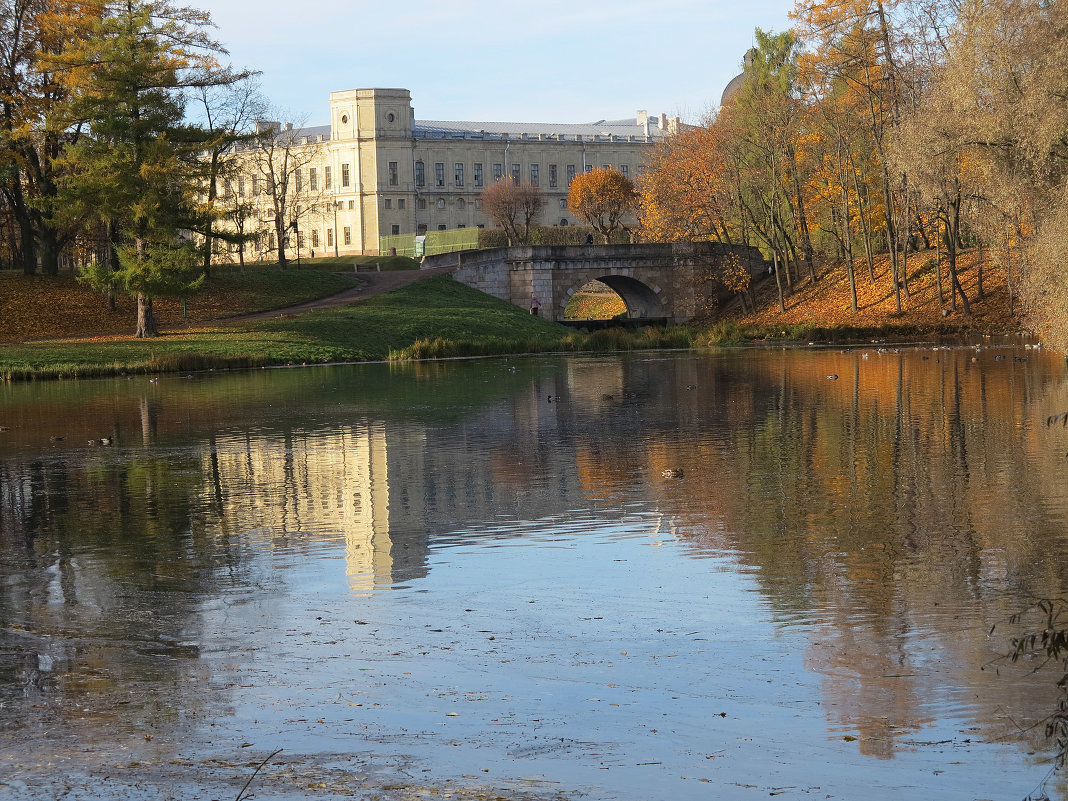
656	282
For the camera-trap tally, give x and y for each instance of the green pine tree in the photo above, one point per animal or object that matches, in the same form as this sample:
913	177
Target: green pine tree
140	170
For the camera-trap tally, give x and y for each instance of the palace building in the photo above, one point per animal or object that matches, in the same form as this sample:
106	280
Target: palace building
377	171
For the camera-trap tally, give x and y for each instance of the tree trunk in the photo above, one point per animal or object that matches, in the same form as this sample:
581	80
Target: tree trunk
847	243
952	243
49	248
938	265
778	279
146	318
803	235
27	246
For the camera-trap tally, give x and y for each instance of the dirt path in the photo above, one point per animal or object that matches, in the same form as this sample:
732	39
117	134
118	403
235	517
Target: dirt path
371	285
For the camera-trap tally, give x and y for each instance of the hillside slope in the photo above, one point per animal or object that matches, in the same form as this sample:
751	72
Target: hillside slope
826	303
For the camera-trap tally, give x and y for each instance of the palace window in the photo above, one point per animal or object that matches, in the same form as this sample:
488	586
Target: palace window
535	176
515	174
420	174
623	168
389	203
344	175
313	180
478	175
393	178
552	176
442	227
422	203
441	202
498	172
458	173
329	237
570	173
315	238
439	173
395	229
299	176
327	178
400	203
460	203
241	186
348	235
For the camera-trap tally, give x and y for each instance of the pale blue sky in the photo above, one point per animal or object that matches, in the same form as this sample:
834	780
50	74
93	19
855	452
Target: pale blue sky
536	61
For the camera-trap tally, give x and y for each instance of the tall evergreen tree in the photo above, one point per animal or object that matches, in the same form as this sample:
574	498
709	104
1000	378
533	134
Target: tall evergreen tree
139	168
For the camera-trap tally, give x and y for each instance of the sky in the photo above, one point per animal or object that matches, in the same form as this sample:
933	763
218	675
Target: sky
497	60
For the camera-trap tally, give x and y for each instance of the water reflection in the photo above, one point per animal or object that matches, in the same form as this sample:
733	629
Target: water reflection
888	518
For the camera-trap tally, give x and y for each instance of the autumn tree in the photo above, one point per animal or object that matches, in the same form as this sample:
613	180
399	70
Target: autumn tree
139	167
994	104
514	207
687	191
603	198
33	35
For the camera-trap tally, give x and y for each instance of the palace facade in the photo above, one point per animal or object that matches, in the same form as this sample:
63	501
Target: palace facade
376	171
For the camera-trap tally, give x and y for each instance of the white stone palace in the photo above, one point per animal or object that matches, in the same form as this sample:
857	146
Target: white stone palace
377	171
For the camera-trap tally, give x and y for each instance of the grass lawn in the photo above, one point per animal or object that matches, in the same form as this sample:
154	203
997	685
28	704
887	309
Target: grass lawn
435	310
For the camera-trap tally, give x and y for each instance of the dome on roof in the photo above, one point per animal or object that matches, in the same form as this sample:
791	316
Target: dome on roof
736	82
731	88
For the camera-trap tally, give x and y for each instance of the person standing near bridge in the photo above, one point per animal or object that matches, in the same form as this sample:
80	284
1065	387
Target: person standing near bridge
535	304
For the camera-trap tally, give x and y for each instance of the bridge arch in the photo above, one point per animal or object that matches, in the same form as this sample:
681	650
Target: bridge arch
642	301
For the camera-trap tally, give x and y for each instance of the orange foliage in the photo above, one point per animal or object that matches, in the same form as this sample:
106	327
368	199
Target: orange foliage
602	198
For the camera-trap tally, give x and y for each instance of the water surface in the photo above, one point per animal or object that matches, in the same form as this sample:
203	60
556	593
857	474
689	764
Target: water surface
419	580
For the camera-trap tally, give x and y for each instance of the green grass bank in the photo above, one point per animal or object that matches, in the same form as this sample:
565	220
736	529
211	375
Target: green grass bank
433	318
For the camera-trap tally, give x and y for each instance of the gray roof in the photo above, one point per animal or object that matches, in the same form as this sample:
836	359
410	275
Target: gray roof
430	129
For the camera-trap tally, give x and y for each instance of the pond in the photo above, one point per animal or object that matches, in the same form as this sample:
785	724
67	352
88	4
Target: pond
735	574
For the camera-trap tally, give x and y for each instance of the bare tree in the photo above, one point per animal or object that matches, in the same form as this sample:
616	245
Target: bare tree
514	207
281	162
228	114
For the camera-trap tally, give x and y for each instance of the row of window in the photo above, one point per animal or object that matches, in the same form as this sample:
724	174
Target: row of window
498	173
259	186
262	186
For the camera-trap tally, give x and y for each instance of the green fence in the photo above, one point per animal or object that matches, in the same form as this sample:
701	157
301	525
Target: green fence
435	242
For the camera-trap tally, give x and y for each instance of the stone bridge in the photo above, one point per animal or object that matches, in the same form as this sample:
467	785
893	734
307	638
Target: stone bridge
658	283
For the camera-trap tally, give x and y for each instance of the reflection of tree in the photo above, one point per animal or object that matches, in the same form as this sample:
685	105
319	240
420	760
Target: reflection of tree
879	499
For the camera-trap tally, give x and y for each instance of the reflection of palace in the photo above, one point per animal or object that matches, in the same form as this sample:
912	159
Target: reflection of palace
388	488
315	484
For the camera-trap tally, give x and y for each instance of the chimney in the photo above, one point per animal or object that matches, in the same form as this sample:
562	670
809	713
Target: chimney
643	121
